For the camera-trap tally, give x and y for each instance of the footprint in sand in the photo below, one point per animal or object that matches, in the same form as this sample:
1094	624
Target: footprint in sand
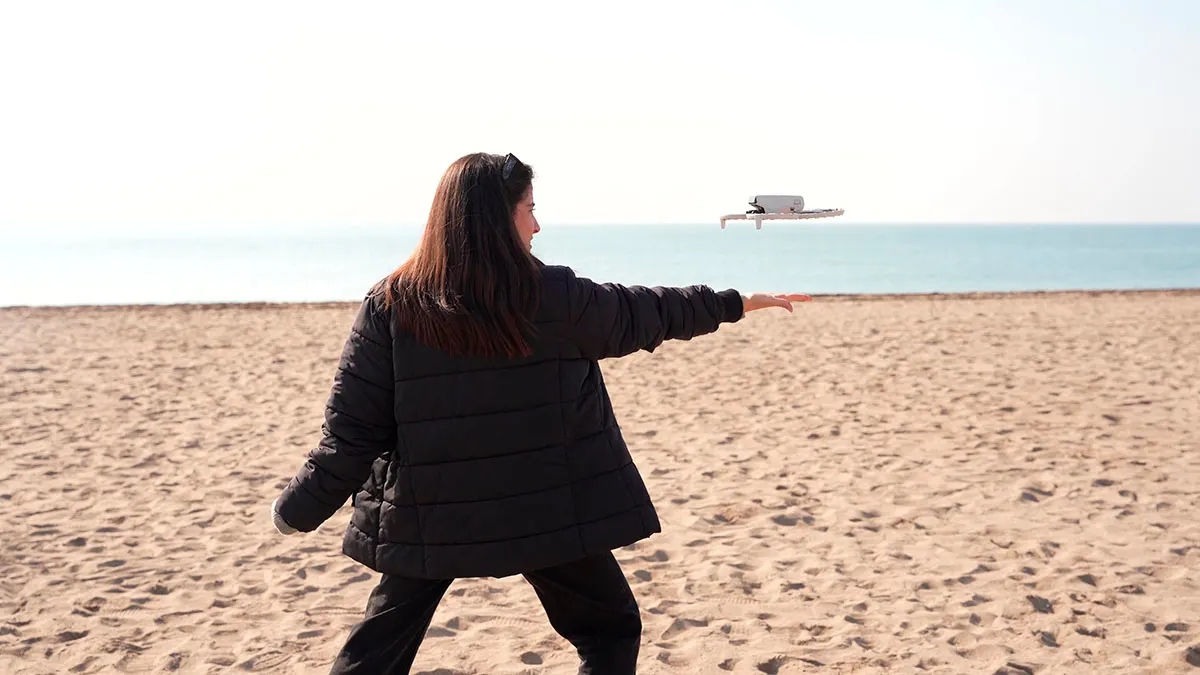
976	600
267	661
681	626
170	617
93	605
1041	605
771	666
1012	668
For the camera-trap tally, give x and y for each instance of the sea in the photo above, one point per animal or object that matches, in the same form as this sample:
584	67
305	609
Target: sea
341	263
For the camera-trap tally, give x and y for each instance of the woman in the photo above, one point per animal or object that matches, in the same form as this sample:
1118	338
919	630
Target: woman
470	426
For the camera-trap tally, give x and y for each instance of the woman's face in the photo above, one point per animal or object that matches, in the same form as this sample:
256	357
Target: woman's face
526	222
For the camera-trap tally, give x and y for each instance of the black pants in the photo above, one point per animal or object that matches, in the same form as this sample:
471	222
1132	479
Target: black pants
588	602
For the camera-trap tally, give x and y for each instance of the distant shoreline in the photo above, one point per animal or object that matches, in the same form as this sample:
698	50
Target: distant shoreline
825	297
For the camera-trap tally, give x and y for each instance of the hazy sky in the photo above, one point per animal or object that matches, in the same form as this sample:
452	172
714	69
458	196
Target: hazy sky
162	116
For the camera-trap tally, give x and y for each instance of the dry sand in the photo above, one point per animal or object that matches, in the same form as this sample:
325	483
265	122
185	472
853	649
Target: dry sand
927	484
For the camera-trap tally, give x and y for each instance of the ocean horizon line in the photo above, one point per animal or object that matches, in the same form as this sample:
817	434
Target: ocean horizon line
83	232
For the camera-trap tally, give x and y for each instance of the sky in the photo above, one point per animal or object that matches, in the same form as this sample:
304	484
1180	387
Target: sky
224	116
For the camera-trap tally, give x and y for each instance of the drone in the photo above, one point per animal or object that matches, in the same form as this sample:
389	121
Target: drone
779	207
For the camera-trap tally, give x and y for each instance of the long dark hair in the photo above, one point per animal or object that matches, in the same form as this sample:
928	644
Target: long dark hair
471	287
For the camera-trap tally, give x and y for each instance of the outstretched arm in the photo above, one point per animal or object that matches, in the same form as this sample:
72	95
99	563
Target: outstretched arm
359	425
611	320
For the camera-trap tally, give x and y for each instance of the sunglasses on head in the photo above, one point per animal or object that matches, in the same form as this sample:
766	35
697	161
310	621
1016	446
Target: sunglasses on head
510	163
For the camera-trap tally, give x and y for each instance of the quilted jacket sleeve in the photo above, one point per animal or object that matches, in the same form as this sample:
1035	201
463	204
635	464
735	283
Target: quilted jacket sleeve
611	320
359	426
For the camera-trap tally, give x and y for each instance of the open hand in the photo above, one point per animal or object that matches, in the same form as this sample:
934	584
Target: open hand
763	300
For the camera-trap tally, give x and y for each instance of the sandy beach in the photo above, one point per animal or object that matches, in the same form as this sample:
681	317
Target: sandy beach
933	484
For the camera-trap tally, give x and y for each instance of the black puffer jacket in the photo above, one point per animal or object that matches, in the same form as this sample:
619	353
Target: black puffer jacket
465	467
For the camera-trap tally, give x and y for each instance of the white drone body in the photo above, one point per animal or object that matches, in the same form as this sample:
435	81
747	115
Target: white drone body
779	207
